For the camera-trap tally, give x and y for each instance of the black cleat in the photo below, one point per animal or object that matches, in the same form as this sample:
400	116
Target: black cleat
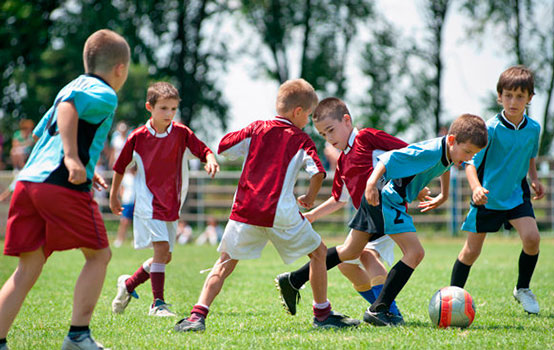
290	296
382	318
187	325
336	320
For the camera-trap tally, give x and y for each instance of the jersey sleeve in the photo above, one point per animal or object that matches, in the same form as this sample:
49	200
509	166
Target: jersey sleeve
381	140
125	156
93	104
41	126
197	147
236	144
311	161
479	156
338	191
409	161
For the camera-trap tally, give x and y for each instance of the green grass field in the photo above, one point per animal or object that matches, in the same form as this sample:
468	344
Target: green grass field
248	315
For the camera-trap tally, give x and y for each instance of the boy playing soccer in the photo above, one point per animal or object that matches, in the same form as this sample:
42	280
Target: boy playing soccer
497	177
60	170
407	171
160	149
355	163
265	207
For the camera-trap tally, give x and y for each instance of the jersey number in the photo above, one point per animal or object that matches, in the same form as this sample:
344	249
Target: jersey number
397	219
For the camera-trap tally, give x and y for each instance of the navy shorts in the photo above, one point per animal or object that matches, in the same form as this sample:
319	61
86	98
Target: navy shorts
368	219
480	219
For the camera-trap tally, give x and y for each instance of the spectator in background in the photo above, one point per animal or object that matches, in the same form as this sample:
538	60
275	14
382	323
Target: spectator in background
22	143
128	204
184	232
118	139
211	234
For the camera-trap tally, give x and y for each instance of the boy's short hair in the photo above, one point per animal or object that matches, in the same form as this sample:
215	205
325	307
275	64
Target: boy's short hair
103	50
295	93
160	91
469	127
330	107
517	77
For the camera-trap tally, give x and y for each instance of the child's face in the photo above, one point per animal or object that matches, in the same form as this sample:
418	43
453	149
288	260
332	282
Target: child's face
336	132
514	102
163	112
460	152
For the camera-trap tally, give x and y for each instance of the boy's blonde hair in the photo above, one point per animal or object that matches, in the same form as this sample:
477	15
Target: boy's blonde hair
160	91
516	77
103	50
295	93
469	128
330	107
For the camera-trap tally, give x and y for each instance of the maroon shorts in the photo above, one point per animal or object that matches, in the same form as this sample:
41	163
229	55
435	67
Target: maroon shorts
54	218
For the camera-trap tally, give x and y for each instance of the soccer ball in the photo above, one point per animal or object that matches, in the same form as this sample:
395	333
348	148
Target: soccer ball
451	307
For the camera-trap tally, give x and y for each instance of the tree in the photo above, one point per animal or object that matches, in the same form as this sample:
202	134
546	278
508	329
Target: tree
527	30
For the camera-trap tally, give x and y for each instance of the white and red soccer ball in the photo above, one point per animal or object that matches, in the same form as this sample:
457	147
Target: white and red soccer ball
451	307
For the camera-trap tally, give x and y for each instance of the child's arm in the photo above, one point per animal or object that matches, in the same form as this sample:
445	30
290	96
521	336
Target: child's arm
98	182
371	191
211	166
68	121
535	183
115	203
479	193
307	200
331	205
432	203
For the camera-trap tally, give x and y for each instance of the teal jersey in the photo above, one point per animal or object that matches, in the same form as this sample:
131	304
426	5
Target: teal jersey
411	168
502	166
95	102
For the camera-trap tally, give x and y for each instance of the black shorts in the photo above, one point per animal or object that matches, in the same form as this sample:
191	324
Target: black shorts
369	219
480	219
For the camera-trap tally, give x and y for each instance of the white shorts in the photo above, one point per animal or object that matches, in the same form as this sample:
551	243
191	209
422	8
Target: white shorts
243	241
382	245
147	231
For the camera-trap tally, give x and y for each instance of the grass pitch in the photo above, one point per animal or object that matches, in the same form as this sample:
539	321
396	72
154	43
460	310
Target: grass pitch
248	315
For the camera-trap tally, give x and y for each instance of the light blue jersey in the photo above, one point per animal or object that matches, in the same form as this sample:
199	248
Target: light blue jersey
95	102
411	168
502	166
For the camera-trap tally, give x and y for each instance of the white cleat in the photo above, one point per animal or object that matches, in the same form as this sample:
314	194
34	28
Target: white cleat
123	297
161	309
527	299
84	343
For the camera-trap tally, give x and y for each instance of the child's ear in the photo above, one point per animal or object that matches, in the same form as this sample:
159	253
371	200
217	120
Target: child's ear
347	118
148	106
450	139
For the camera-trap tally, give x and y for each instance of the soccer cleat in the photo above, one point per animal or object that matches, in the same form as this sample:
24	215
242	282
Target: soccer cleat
382	318
161	309
191	325
527	299
122	297
84	342
290	296
336	320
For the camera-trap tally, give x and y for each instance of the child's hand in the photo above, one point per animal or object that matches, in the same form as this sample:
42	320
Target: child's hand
305	201
539	189
98	182
309	216
423	194
372	195
211	166
431	203
76	169
115	205
479	195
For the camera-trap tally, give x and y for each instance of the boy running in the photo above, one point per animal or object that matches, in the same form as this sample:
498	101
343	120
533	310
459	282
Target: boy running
265	207
161	149
498	179
60	170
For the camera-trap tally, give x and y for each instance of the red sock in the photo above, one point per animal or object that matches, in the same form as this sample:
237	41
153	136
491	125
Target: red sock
157	279
137	279
197	312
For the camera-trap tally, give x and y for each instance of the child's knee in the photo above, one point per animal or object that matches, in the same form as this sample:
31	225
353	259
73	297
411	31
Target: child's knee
320	253
415	255
532	242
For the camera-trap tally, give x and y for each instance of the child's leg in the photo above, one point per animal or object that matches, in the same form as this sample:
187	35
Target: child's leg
318	273
157	268
400	273
468	255
223	267
530	239
89	285
15	289
124	223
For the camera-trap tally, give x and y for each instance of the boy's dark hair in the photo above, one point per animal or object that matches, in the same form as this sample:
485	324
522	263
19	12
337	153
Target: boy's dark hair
516	77
161	90
330	107
103	50
469	128
295	93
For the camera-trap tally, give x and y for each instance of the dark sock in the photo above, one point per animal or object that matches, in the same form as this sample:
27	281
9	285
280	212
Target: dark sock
396	280
527	265
77	331
460	272
139	277
3	341
157	280
299	277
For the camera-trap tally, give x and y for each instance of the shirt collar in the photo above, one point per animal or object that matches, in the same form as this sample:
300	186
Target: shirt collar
444	159
151	129
284	120
511	125
351	140
99	78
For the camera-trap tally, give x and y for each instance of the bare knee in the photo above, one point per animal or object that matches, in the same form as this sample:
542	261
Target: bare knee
469	254
531	243
320	254
101	256
414	256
